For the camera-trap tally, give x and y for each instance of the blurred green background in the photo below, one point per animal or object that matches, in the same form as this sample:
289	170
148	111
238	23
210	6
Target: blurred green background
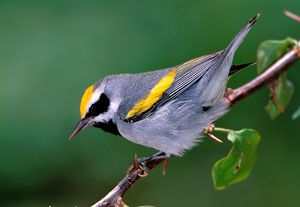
50	51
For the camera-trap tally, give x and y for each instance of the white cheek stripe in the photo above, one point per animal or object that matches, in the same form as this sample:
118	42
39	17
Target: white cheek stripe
112	110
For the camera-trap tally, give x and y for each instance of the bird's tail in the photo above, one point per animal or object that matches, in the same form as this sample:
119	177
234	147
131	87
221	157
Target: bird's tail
238	39
217	78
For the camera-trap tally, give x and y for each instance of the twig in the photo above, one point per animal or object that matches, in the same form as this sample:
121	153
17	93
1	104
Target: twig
292	16
268	76
114	198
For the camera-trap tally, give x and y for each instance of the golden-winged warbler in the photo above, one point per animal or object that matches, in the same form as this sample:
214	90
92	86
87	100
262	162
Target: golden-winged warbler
165	109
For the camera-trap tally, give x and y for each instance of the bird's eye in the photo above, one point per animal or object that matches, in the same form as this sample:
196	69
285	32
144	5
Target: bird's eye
99	107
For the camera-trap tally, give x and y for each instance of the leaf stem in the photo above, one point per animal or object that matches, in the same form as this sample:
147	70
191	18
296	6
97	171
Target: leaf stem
219	129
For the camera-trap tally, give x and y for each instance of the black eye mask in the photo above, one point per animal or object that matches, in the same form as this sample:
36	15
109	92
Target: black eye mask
99	107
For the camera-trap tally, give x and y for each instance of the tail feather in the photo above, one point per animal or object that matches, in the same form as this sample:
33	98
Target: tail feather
237	68
218	78
236	42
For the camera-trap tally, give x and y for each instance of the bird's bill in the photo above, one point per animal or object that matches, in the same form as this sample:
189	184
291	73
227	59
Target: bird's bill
80	126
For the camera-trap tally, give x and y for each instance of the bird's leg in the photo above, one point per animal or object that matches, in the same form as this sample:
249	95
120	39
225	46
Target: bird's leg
158	156
165	165
142	163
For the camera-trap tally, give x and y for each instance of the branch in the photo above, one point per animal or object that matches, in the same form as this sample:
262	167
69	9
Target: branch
114	198
263	79
292	16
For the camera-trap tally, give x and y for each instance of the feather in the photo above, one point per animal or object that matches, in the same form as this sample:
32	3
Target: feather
237	68
154	95
214	67
85	99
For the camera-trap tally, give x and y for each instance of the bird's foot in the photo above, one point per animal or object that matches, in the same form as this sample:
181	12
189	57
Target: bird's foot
142	163
228	91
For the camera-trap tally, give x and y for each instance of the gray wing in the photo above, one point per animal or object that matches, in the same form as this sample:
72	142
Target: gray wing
187	74
216	66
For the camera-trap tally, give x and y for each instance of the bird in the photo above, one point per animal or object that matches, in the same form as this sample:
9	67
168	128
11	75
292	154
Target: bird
166	109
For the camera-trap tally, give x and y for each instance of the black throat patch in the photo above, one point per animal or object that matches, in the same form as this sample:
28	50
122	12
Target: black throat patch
110	127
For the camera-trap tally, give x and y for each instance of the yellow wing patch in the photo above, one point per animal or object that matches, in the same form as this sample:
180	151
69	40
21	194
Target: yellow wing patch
154	95
85	99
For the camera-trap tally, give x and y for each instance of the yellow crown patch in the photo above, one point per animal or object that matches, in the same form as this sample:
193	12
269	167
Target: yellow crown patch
85	99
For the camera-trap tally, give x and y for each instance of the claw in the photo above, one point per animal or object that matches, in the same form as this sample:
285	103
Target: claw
145	171
140	164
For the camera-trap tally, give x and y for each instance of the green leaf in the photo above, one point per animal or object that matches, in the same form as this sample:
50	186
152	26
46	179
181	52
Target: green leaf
282	94
271	50
296	114
281	90
236	166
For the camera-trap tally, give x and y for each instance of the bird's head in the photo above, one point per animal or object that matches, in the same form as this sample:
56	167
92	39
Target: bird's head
96	109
